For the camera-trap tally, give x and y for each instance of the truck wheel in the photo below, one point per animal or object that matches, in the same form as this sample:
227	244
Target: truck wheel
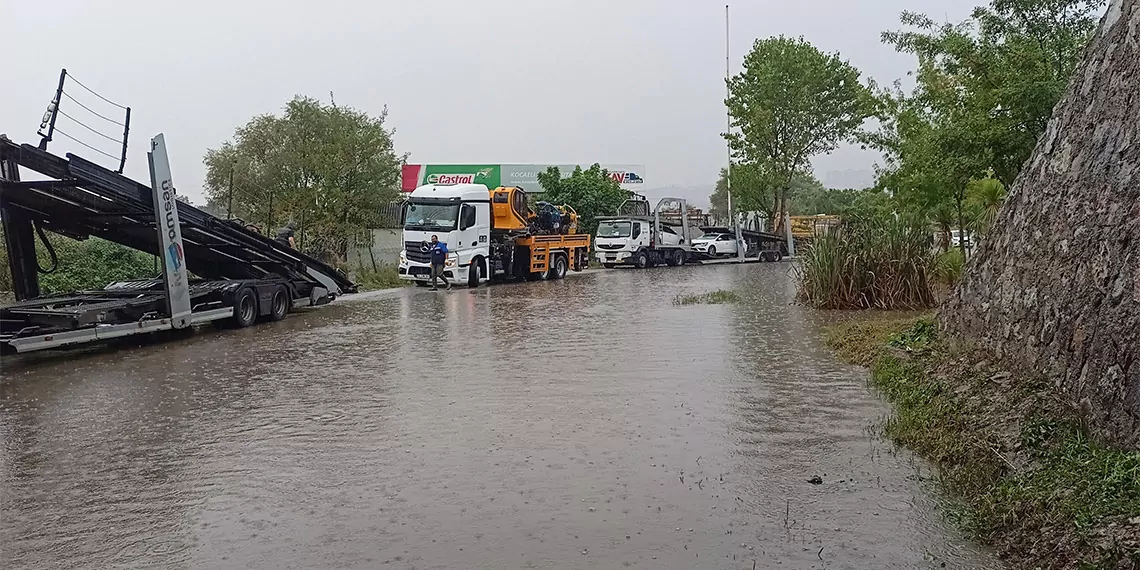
475	272
642	260
559	269
779	255
280	305
608	265
678	258
245	309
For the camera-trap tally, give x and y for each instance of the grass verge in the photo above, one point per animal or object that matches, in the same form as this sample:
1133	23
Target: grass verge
1021	471
385	276
718	297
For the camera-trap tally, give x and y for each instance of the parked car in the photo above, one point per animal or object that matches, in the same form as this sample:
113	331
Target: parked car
716	244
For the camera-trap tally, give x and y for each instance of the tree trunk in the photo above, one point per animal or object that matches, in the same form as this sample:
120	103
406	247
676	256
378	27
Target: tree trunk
1055	287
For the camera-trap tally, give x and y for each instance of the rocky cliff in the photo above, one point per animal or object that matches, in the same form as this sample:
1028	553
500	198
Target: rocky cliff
1055	288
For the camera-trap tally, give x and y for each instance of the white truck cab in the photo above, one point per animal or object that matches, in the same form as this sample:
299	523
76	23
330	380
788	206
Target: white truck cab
645	240
489	234
459	216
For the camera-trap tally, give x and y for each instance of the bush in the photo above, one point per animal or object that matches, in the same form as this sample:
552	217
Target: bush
881	264
384	276
948	267
83	265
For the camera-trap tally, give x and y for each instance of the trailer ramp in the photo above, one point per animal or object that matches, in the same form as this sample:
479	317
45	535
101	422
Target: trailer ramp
80	198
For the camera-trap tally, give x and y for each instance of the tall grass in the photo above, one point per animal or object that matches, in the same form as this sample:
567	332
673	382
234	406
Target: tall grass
884	264
948	267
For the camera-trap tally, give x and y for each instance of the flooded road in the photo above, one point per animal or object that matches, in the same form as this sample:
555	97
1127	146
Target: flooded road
584	423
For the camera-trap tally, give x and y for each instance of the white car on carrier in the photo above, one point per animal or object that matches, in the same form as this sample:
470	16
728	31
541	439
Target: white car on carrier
715	244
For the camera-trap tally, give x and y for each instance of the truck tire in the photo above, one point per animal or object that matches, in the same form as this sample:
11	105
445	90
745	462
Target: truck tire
642	260
280	304
245	309
475	272
558	270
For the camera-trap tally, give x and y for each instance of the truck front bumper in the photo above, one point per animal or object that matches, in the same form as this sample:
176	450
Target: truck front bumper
412	271
614	257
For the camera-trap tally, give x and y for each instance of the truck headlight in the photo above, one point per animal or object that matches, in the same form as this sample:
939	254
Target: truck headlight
403	257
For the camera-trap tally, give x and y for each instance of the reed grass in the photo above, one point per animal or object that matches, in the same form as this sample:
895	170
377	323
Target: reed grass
887	264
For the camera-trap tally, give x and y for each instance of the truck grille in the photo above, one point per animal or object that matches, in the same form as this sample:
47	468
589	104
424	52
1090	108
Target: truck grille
413	253
609	246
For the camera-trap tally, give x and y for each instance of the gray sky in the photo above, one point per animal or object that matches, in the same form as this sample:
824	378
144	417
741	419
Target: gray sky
495	81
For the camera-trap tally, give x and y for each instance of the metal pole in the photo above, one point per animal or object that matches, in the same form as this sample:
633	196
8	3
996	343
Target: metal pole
728	117
740	245
126	134
53	111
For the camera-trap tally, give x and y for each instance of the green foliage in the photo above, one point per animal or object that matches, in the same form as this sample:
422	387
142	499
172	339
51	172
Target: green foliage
881	264
83	265
984	197
791	102
384	276
854	206
918	337
330	169
718	297
948	267
590	192
985	89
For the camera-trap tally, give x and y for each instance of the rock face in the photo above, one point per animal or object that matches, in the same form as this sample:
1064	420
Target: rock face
1055	288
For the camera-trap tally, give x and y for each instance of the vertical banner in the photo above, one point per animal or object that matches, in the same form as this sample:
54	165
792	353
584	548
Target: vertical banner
169	229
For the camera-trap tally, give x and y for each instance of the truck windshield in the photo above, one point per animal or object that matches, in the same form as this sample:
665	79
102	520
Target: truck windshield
432	217
614	229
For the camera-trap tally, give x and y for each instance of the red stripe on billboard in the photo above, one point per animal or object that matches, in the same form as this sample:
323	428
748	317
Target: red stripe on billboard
410	176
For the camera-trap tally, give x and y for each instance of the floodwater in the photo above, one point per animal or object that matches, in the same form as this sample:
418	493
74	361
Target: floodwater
584	423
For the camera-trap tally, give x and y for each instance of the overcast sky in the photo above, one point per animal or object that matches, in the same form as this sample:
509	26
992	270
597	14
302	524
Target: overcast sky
480	81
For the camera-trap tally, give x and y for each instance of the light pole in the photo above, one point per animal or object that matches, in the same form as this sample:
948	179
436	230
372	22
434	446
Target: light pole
728	118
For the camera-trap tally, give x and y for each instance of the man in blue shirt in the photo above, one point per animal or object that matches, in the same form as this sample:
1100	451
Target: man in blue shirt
438	259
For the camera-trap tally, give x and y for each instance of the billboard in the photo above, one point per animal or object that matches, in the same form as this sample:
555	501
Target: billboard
524	176
414	175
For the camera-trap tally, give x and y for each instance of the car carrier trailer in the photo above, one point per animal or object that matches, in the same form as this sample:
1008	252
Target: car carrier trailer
641	238
758	246
242	276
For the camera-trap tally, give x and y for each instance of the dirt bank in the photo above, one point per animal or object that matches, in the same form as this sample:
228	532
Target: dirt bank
1020	470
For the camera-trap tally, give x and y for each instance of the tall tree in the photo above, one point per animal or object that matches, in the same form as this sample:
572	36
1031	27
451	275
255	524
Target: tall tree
329	168
790	103
1006	66
752	191
984	91
591	192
